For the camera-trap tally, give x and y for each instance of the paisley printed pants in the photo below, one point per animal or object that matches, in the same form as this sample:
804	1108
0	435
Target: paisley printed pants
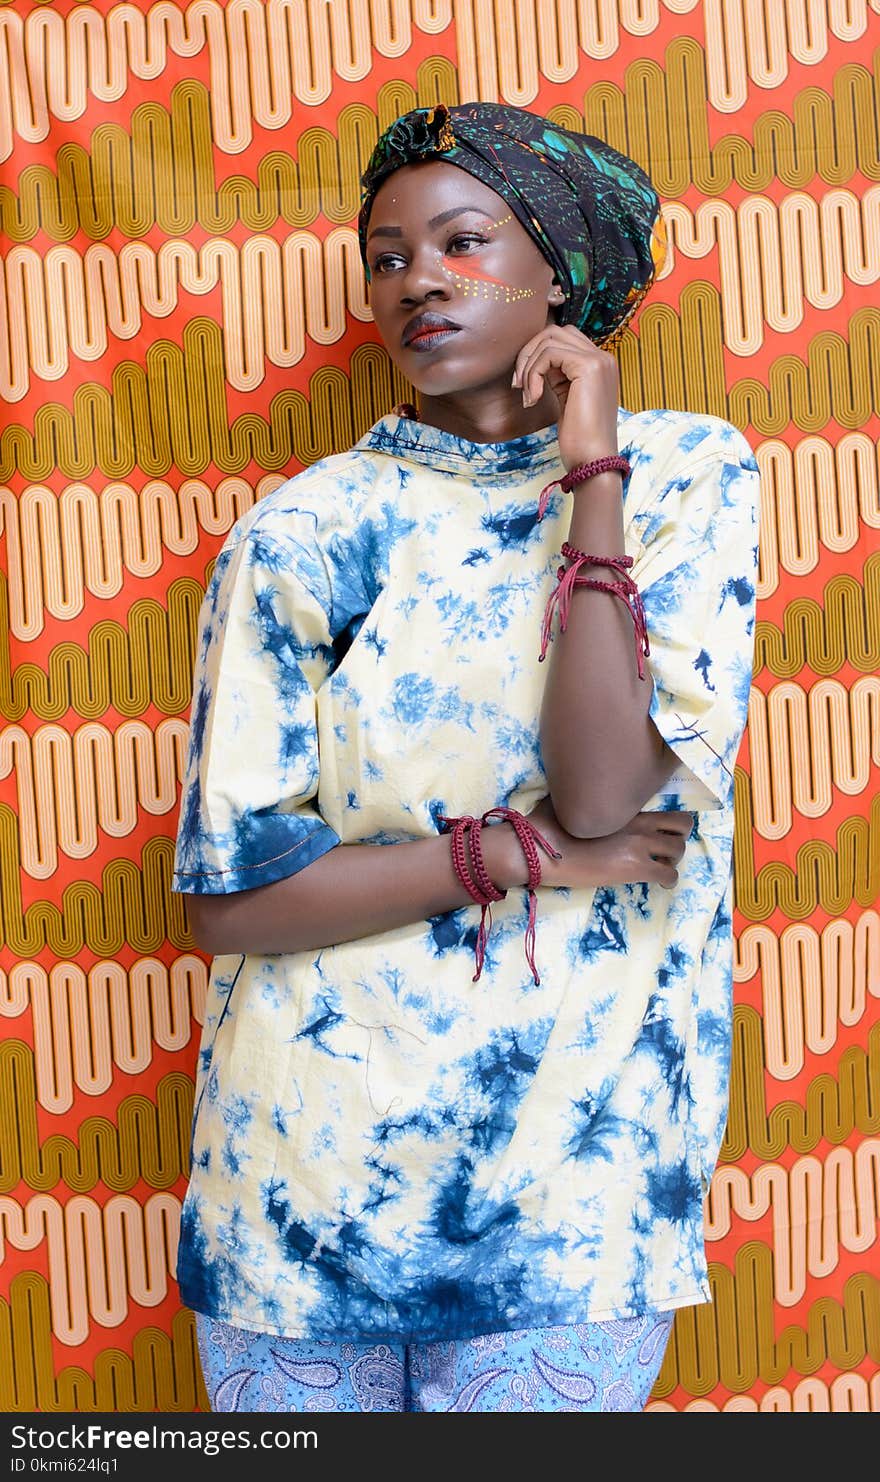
588	1366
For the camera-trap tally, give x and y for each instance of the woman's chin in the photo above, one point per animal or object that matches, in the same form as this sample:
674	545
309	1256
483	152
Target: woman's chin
448	383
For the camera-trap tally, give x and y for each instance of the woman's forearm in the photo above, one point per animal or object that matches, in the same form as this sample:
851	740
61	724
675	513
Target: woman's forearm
353	891
602	754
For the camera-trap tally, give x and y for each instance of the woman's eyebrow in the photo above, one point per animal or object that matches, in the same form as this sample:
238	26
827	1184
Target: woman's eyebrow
397	231
459	211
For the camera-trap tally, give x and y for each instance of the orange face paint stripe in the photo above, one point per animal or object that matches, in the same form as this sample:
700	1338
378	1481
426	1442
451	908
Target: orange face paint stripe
455	272
450	266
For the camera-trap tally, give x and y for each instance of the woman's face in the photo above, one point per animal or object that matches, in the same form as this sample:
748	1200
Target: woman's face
457	285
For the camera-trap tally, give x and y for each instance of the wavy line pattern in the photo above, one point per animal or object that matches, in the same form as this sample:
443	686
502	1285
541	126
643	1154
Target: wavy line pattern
804	744
775	259
835	1105
119	668
150	1141
162	1372
814	984
505	50
172	412
814	497
659	116
262	54
147	1139
735	1338
818	1206
65	304
61	547
825	876
73	785
133	905
273	296
845	1394
842	628
86	1024
102	1257
98	1257
183	325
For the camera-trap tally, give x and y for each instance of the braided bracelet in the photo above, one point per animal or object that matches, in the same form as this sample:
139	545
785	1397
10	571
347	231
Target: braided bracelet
458	828
485	891
529	837
611	462
575	553
490	890
625	589
478	864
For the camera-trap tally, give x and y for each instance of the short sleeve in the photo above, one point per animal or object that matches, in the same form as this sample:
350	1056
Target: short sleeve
696	570
247	815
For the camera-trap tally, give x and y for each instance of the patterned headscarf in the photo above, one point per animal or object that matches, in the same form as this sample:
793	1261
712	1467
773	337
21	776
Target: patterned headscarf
591	211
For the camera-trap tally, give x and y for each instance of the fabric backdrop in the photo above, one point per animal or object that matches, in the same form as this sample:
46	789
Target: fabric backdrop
182	325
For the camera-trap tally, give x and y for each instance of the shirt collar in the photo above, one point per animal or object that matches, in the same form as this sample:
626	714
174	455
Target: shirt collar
417	442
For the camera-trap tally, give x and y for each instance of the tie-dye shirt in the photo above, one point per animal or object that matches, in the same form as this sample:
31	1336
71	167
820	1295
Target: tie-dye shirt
381	1146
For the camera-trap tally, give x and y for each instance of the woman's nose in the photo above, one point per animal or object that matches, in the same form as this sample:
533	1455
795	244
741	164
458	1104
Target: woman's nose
425	275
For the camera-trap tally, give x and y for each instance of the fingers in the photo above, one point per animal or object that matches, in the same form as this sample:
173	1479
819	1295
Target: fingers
535	368
564	334
676	818
560	347
667	877
668	833
675	822
670	853
659	866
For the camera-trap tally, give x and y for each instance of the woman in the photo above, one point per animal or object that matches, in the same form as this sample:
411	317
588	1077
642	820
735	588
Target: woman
459	1099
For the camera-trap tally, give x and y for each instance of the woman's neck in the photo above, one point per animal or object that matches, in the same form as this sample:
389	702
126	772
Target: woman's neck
498	420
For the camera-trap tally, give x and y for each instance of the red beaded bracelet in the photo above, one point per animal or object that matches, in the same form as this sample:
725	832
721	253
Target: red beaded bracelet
612	462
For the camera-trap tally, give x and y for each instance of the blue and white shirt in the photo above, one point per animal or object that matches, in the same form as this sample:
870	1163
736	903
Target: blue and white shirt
383	1148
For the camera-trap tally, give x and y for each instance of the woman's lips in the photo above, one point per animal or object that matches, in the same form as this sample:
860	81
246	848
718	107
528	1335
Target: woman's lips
430	339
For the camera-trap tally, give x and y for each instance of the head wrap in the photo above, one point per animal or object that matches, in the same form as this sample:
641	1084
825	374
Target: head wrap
591	211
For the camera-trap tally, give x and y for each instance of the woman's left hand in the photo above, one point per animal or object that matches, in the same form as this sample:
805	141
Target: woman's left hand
586	383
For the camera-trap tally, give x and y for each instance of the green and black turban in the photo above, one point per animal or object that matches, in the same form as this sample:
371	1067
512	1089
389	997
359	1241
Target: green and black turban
591	211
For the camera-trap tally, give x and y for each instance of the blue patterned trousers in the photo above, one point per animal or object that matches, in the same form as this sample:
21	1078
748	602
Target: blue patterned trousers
588	1366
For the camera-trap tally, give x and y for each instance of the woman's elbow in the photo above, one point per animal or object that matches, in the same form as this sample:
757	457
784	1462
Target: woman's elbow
596	818
205	923
243	921
591	828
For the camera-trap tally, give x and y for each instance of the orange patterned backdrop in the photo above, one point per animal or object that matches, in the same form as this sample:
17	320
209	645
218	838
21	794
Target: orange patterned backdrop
183	323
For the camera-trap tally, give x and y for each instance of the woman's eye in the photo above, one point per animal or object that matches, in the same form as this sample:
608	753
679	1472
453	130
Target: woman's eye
386	262
467	241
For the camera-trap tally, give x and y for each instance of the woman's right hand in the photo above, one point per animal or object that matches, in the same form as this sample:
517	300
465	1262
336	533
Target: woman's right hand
648	849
